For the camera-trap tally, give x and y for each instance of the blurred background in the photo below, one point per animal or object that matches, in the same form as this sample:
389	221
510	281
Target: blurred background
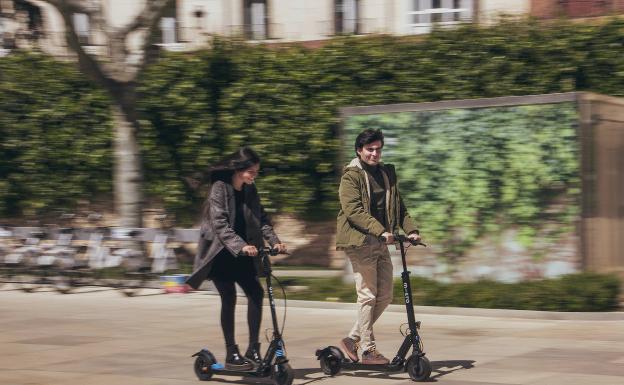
111	111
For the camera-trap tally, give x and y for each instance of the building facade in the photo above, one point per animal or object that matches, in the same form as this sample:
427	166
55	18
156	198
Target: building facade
190	24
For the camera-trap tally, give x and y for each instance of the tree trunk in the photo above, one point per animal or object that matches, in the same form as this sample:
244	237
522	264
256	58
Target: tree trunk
127	161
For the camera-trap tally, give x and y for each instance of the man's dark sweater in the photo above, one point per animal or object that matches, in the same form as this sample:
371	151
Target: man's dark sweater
378	193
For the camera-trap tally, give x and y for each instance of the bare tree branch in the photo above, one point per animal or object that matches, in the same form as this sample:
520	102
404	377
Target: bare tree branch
147	24
150	38
76	6
118	69
89	65
152	12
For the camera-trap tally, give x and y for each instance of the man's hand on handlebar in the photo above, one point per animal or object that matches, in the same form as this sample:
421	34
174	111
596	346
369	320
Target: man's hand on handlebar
414	237
388	238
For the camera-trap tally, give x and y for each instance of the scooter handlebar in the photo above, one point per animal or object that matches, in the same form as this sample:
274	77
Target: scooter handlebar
404	239
263	251
270	250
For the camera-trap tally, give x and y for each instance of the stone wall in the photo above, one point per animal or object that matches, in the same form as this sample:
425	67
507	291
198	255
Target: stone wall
501	258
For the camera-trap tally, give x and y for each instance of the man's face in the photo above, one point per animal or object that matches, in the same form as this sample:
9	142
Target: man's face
371	153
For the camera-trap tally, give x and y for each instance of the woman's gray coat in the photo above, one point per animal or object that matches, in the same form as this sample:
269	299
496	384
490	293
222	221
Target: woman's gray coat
217	230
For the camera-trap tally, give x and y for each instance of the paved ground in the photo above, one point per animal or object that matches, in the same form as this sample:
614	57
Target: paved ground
103	338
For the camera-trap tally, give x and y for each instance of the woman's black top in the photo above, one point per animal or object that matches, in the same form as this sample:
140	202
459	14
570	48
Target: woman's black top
239	221
226	266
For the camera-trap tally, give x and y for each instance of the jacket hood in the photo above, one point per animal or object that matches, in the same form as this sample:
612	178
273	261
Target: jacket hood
356	163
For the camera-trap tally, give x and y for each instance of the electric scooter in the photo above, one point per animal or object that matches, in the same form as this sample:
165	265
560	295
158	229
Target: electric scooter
332	360
274	365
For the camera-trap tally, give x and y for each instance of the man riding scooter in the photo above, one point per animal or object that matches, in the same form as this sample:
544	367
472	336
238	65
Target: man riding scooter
371	210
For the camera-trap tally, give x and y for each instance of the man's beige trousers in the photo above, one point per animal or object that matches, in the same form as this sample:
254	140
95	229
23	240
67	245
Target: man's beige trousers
372	269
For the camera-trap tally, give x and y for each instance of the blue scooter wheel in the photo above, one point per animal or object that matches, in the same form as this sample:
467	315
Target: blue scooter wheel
203	366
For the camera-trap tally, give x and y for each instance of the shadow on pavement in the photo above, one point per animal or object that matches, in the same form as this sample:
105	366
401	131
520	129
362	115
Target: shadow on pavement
244	380
440	368
302	374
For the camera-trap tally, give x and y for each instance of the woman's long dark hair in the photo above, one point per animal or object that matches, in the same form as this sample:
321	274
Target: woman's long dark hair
223	171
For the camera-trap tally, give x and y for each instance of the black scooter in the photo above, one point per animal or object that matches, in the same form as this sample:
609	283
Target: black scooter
274	365
418	367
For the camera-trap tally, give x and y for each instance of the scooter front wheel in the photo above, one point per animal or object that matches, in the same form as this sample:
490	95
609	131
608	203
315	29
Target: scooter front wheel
282	374
203	366
418	368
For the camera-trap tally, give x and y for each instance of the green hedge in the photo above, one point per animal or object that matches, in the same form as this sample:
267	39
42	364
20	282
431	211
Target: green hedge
55	136
284	101
575	292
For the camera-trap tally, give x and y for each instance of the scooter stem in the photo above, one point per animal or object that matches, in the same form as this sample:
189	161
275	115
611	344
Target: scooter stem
267	270
409	305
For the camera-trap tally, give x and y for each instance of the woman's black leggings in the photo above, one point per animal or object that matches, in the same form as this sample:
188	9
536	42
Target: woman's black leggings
254	292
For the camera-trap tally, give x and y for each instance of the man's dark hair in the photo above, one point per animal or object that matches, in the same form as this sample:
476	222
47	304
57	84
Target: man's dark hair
368	136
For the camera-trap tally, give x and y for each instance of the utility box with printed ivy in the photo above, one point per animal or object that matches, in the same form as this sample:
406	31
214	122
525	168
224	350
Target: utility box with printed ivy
509	188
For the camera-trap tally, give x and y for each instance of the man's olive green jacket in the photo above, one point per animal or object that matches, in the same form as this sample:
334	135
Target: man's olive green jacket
355	220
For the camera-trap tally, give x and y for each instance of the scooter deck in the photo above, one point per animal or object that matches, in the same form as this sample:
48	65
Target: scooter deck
255	372
350	365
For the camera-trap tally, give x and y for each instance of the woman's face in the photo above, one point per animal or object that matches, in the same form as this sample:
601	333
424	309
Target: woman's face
248	175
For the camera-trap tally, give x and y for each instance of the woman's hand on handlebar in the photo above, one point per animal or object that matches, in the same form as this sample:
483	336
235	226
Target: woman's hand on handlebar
250	250
280	247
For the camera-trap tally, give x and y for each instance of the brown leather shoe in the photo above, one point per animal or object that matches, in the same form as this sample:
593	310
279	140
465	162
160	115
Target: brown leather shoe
373	357
350	347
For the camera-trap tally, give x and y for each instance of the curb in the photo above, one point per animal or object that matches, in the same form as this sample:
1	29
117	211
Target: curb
453	311
472	312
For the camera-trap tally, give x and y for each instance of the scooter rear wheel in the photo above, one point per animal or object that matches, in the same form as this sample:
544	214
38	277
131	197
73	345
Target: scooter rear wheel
203	366
282	374
331	360
418	368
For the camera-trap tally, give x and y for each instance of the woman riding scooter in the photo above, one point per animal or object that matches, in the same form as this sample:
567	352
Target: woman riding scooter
234	227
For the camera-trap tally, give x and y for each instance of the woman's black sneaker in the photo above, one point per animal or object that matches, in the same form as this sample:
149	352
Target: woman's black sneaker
253	353
234	360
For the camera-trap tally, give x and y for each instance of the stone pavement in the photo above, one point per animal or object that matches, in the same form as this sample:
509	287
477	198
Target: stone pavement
99	337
